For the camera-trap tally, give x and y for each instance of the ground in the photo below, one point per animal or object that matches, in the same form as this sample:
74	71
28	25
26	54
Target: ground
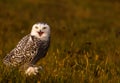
85	39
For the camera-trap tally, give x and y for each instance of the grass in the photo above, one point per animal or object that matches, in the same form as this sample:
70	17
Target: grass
85	39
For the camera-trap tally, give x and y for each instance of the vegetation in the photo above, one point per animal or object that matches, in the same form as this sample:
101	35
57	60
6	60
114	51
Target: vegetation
85	39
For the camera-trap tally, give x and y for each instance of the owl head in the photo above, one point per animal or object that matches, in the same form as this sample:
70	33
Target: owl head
41	30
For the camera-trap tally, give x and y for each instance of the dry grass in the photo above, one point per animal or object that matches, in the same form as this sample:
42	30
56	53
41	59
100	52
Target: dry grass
85	39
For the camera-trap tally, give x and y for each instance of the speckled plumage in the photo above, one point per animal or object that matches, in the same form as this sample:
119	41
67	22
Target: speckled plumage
31	48
27	51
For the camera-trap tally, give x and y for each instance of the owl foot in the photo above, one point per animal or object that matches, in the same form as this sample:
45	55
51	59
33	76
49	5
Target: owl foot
33	70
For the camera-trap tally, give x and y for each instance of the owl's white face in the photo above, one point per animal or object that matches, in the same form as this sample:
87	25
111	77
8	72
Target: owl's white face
41	30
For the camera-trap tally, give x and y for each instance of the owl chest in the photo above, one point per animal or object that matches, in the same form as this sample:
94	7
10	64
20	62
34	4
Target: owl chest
30	49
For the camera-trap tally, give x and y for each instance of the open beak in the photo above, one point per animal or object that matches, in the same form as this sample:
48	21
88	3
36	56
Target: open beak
40	33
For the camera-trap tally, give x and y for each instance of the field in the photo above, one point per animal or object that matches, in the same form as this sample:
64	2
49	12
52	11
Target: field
85	39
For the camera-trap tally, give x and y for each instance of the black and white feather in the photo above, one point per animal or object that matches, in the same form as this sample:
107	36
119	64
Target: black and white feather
30	49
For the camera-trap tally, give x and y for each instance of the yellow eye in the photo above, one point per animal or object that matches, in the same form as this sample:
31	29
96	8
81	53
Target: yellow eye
36	27
44	27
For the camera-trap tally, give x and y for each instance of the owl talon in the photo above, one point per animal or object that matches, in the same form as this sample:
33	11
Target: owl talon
33	70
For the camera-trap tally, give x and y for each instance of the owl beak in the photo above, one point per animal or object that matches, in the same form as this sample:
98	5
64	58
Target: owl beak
40	33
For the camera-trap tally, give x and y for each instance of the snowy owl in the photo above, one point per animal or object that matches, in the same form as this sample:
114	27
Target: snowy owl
30	49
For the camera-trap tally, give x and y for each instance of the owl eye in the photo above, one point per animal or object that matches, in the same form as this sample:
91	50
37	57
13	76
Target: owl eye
44	27
36	27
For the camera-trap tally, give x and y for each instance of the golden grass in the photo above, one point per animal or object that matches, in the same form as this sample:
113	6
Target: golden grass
85	39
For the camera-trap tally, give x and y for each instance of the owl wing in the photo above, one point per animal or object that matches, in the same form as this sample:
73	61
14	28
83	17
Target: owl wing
14	58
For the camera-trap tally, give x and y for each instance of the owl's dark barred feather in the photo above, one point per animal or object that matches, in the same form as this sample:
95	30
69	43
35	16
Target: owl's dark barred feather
27	51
